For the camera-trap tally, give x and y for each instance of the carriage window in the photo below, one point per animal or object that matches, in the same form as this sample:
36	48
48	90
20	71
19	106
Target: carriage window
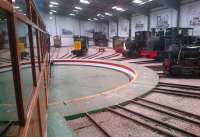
8	108
25	61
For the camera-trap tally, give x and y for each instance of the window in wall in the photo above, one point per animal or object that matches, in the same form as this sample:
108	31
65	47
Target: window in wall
8	108
36	52
20	6
25	61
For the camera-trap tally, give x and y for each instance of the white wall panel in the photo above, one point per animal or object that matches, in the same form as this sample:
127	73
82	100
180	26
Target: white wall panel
112	29
102	27
67	27
163	18
87	28
123	27
138	23
190	16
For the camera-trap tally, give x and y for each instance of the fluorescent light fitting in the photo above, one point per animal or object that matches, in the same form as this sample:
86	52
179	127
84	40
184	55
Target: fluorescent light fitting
71	14
78	8
108	14
74	10
95	19
141	1
84	1
53	11
118	8
100	15
16	7
138	1
52	6
54	3
50	12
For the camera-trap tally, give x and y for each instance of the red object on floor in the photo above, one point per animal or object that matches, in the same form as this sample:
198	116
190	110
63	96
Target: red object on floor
119	50
167	64
149	54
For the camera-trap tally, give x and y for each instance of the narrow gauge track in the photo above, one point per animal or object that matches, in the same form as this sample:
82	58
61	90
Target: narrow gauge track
155	67
174	117
89	56
3	60
93	57
65	55
145	62
57	53
123	59
109	56
52	52
69	56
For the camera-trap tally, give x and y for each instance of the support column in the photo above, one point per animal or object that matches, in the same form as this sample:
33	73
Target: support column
130	27
117	26
178	16
148	21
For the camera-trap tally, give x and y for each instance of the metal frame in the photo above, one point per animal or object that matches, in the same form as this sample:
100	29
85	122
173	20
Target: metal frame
33	20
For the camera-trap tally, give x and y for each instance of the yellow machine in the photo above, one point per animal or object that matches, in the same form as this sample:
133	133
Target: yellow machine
80	46
22	50
21	46
77	45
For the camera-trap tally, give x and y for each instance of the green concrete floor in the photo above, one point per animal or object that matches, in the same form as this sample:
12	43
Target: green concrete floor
57	126
8	110
67	83
71	82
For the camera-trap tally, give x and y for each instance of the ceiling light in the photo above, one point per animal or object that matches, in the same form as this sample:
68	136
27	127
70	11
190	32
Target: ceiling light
118	8
84	1
141	1
95	19
78	8
137	1
100	15
71	14
53	11
50	12
108	14
16	7
74	10
52	6
54	3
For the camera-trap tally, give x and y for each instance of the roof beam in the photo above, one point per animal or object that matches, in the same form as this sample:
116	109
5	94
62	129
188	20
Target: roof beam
175	4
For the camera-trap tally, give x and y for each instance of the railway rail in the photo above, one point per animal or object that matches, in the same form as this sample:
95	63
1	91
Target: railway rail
157	118
154	124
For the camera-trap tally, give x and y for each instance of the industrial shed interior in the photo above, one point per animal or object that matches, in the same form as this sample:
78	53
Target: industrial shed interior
99	68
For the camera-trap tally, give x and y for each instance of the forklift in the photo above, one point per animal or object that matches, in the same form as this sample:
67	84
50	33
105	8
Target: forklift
81	45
